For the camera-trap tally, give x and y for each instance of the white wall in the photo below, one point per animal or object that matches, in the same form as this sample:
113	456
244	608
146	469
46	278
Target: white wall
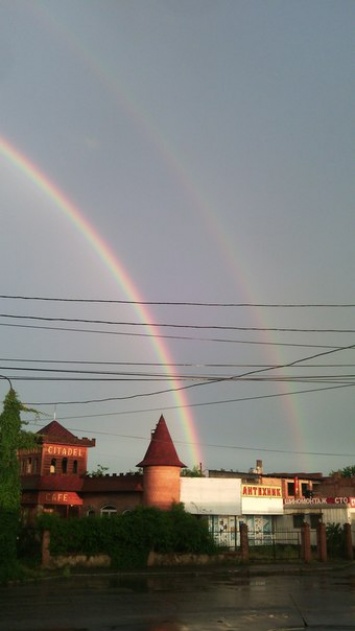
211	496
262	506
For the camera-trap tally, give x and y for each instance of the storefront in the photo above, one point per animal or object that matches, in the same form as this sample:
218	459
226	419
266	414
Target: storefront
219	500
261	506
63	503
329	510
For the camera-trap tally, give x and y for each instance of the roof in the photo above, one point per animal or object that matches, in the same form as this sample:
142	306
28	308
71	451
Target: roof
161	450
122	483
54	432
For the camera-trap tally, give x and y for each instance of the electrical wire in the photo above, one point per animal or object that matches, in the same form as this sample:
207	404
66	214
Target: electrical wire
167	337
190	405
218	446
218	380
182	303
159	364
174	325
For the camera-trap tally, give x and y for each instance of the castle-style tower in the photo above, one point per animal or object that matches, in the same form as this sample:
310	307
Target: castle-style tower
52	472
161	470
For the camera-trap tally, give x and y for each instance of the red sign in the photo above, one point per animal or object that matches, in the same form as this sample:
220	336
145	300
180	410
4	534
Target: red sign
59	497
325	501
261	491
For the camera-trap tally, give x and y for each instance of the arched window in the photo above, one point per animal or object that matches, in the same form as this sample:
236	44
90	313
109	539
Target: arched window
53	465
75	466
64	465
108	511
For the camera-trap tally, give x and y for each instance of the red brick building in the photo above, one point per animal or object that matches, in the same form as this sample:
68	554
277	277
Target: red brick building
54	476
53	473
54	479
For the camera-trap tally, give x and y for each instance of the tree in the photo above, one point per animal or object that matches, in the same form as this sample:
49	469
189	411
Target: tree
195	472
99	472
12	437
347	472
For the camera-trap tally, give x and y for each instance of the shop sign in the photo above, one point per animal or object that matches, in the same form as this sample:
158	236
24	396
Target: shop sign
60	497
59	450
323	501
261	491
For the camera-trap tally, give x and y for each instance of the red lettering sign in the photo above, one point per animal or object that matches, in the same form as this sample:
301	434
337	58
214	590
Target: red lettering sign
60	450
261	491
68	498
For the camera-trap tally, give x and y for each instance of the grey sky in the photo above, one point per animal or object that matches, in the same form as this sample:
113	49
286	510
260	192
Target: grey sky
210	146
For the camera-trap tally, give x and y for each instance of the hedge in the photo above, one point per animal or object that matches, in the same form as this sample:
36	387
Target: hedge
129	538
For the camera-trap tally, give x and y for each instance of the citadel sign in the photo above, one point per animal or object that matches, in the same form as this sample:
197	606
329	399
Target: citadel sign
59	450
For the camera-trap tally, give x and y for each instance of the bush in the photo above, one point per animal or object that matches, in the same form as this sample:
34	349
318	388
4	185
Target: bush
129	538
335	540
8	534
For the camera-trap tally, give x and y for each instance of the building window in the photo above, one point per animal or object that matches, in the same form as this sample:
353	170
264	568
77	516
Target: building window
298	520
64	465
75	466
290	488
52	465
29	465
35	465
108	511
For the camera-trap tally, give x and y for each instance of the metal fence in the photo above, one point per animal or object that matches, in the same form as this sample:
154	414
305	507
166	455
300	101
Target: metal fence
283	545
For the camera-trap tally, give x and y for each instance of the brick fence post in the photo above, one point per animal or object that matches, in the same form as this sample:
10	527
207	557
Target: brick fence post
349	550
321	542
306	543
244	544
46	555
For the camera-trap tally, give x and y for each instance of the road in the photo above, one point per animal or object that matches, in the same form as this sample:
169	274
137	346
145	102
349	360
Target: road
230	600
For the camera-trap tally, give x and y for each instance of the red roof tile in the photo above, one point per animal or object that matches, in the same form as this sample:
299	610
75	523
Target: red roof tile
54	432
161	450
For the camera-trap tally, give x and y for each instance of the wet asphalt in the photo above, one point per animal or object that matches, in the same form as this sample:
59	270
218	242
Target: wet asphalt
257	599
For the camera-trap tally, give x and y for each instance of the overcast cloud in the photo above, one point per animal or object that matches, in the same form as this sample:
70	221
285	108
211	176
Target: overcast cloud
208	147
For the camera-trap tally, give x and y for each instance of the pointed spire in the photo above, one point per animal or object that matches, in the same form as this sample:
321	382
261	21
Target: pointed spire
161	450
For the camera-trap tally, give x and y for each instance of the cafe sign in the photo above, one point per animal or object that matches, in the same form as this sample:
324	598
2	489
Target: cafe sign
68	498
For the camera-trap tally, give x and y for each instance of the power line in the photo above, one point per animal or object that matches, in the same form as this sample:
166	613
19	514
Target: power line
159	364
174	325
190	405
107	376
167	337
217	446
218	380
183	303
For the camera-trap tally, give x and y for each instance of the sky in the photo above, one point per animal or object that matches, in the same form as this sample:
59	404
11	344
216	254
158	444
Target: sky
177	227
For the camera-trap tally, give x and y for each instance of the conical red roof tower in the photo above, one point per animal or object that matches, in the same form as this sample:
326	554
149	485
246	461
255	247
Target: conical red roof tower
161	470
161	451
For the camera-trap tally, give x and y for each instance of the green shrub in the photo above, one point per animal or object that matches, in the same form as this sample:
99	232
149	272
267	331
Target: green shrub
129	538
335	540
9	521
